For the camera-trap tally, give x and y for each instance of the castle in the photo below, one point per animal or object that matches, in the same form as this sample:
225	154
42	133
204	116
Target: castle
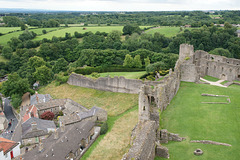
155	96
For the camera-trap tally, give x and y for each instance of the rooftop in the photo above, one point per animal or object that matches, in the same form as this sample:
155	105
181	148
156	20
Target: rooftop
42	127
40	98
67	142
7	145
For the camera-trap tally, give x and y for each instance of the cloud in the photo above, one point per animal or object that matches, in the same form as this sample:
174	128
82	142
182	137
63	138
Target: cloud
122	5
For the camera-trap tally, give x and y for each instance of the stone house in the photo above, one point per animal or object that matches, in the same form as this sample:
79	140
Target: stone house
68	142
9	149
35	129
94	114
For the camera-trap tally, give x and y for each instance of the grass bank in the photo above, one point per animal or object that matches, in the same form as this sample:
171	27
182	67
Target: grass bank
127	75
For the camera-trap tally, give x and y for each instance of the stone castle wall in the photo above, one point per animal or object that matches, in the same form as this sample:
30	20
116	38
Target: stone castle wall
217	66
116	84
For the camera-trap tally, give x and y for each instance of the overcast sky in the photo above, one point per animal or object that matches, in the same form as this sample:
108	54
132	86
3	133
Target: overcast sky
122	5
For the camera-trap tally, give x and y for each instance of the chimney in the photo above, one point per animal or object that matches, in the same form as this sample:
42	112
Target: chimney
55	134
34	126
37	96
40	146
62	127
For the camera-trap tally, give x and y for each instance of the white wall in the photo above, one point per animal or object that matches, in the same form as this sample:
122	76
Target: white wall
16	152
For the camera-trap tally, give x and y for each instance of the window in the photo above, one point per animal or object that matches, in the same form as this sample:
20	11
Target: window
144	108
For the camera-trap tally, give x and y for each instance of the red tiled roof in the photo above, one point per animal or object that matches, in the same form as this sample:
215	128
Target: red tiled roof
31	110
7	145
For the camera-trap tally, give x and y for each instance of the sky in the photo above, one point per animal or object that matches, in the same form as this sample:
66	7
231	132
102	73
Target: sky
122	5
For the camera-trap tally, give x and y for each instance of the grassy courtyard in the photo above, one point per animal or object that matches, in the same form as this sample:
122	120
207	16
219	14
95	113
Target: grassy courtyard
187	116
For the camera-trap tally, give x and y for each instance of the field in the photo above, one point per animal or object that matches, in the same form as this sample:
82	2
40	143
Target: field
8	29
5	38
188	117
213	16
61	33
127	75
122	117
167	31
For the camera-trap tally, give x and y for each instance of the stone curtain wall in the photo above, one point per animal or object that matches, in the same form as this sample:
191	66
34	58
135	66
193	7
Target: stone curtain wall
143	147
116	84
217	66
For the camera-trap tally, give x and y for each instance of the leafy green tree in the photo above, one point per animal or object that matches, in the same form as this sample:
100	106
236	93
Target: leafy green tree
16	100
146	61
7	52
221	52
15	85
137	62
44	31
128	61
23	26
156	67
60	65
130	29
35	62
43	74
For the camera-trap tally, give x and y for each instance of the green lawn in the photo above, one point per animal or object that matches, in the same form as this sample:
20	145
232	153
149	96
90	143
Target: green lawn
188	117
127	75
209	78
5	38
165	30
8	29
213	15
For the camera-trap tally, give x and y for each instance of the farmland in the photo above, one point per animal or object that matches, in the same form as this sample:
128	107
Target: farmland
5	30
7	37
165	30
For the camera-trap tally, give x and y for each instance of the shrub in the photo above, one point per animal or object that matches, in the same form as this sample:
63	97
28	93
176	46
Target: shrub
104	128
60	113
47	115
95	74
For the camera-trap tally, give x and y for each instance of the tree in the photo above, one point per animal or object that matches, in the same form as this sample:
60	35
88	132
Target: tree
128	61
7	52
23	26
15	85
137	63
129	29
156	67
147	61
35	62
221	52
44	31
60	65
16	100
43	74
47	115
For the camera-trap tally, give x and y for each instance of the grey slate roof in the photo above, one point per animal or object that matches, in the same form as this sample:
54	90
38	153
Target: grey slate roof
76	117
238	31
41	98
58	149
42	127
51	103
